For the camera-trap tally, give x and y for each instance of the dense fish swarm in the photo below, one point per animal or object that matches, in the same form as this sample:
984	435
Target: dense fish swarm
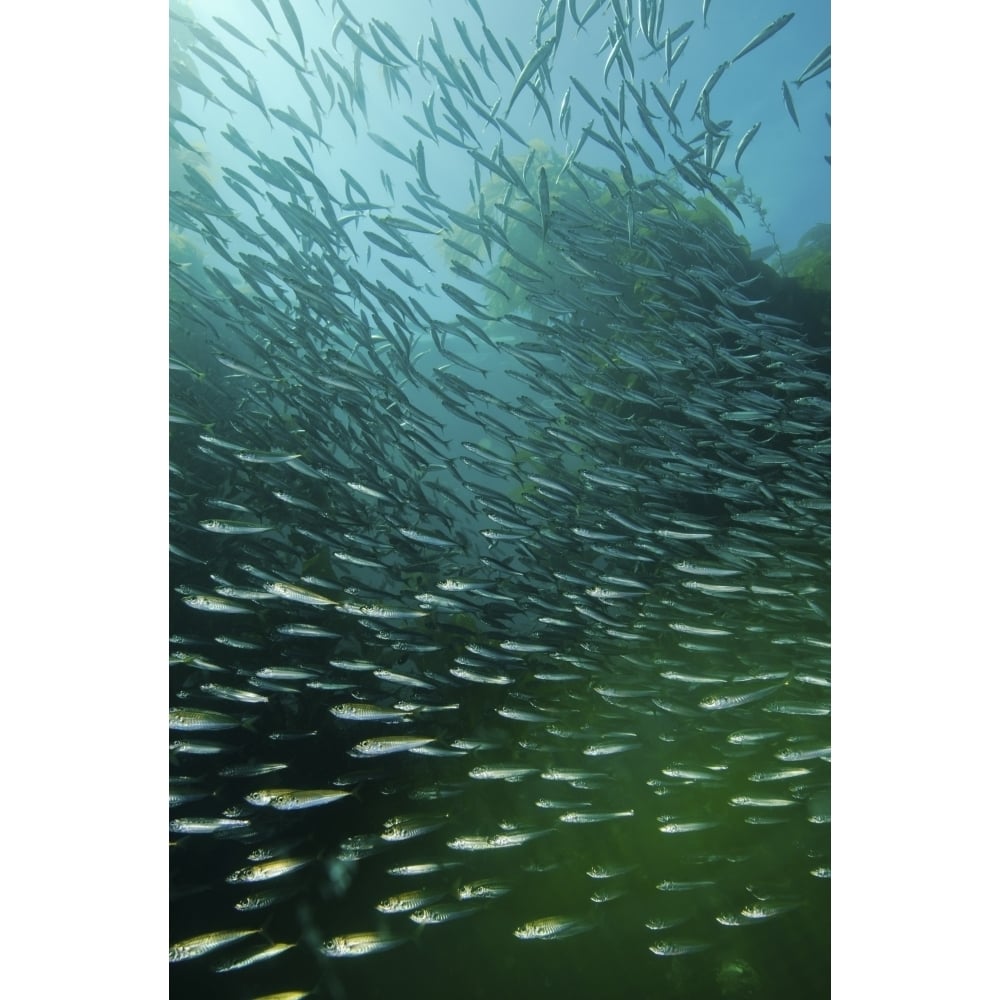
500	601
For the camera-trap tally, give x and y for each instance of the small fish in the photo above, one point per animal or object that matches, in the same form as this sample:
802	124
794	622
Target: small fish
442	913
687	827
293	592
210	602
356	711
551	928
752	736
377	746
287	799
672	886
687	567
392	677
487	888
501	773
528	71
198	748
192	824
780	774
496	841
701	105
820	63
608	749
697	629
757	802
421	868
768	909
236	33
789	104
267	870
262	8
543	200
271	951
744	142
234	694
378	611
798	708
406	902
670	948
250	770
424	538
609	871
719	702
595	817
797	753
360	944
221	527
201	719
202	944
421	165
293	22
266	457
399	828
763	35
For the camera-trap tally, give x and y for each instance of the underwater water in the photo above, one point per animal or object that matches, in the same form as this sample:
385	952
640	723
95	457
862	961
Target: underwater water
500	499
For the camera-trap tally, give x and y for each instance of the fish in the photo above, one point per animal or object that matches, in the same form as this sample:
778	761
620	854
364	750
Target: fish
206	824
744	142
362	46
228	527
495	841
544	207
254	957
297	594
672	948
234	694
489	888
421	868
291	798
236	33
701	104
786	95
251	770
820	63
537	60
201	719
264	12
400	828
377	746
286	55
578	816
736	699
360	944
356	711
267	870
407	902
211	602
442	913
551	928
764	34
485	772
204	944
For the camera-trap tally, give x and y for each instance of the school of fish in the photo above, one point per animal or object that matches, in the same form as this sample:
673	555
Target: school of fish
500	601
